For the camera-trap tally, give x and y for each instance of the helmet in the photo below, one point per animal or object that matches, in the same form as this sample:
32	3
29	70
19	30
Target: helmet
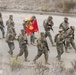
50	17
33	17
72	27
10	15
65	18
22	30
42	34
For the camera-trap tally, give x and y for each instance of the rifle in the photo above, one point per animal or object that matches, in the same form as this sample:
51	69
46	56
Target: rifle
1	26
52	29
44	44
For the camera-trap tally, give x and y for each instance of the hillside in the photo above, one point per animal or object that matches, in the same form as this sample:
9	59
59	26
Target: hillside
40	5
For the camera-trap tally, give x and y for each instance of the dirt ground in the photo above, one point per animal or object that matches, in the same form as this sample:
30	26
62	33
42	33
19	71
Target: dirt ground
28	68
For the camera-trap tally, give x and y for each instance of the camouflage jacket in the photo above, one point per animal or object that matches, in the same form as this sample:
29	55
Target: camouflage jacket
10	23
10	38
69	35
11	30
42	44
22	40
59	39
1	23
48	25
64	26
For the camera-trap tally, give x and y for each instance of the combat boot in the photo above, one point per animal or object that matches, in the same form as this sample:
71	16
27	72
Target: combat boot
58	57
27	60
11	53
3	35
66	51
53	45
34	61
75	50
47	63
16	57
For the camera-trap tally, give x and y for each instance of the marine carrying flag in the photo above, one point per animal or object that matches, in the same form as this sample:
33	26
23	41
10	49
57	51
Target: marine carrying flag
31	26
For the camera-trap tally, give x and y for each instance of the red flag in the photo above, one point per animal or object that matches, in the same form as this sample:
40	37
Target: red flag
31	27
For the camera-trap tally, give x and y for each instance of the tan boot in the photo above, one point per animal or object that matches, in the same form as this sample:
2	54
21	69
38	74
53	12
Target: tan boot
27	60
75	50
16	57
34	61
66	51
47	63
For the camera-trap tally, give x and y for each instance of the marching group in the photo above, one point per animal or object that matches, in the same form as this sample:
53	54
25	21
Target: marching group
64	39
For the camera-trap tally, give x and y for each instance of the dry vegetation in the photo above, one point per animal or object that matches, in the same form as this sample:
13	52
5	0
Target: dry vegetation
40	5
56	68
66	5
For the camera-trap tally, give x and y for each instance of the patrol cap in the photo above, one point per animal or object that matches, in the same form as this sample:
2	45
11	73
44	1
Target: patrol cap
65	18
72	27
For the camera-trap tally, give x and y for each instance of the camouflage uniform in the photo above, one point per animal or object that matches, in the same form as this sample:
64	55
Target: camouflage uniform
69	37
47	26
59	44
10	26
64	25
42	48
23	45
10	21
10	42
2	26
32	38
10	37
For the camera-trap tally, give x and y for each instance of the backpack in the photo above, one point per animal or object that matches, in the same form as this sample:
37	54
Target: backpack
44	23
55	37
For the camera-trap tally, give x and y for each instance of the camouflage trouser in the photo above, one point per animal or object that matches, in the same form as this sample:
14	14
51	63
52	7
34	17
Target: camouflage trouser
59	50
11	47
3	32
72	43
40	53
32	38
47	33
23	50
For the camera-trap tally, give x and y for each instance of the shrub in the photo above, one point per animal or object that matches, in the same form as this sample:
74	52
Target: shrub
15	64
66	6
41	69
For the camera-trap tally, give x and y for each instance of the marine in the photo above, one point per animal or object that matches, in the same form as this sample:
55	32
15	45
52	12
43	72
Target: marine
48	26
11	45
65	26
69	38
59	39
10	21
42	47
2	26
11	34
23	42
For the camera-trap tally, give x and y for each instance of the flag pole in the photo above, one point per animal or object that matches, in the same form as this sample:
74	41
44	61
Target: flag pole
39	33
